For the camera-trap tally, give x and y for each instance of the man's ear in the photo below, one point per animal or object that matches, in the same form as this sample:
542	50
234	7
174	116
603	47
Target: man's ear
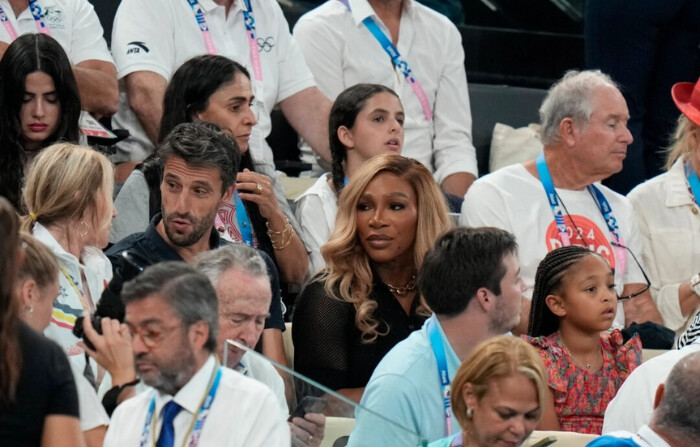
485	298
199	334
659	395
226	197
346	137
567	131
556	305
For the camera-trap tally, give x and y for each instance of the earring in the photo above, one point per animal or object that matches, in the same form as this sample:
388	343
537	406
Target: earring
28	309
470	413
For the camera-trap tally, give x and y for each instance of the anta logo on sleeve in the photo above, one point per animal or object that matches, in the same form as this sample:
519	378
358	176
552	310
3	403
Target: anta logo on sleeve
136	47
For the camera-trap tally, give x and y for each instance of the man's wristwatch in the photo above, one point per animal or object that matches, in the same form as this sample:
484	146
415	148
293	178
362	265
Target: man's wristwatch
695	284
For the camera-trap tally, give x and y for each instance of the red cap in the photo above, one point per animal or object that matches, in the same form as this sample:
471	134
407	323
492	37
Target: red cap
686	95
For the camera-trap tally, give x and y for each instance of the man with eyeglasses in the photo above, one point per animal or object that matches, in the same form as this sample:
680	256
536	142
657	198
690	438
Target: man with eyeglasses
557	200
171	311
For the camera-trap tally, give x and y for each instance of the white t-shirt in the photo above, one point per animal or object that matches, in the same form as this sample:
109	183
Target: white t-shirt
160	35
244	413
514	200
92	413
633	404
342	52
315	212
73	23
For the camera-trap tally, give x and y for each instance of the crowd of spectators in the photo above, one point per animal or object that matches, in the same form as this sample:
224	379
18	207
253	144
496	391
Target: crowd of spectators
146	264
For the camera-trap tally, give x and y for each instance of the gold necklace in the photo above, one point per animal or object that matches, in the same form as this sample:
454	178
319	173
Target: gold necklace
589	366
409	287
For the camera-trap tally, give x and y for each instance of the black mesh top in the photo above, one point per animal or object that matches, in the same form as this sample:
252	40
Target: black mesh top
327	344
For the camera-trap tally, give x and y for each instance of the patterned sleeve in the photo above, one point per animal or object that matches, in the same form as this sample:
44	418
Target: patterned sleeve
627	355
554	359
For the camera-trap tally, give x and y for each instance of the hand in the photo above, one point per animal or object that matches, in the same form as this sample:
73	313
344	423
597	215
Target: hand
308	432
257	188
112	349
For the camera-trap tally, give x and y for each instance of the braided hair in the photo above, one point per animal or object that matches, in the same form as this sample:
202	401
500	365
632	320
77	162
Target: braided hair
548	278
346	107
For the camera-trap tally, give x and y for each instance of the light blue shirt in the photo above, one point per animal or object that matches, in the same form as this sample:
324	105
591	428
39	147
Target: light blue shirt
405	388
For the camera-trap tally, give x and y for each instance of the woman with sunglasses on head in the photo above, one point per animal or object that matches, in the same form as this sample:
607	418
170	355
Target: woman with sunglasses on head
38	399
39	105
573	303
667	208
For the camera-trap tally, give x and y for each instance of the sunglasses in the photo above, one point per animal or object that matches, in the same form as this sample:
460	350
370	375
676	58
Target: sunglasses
646	278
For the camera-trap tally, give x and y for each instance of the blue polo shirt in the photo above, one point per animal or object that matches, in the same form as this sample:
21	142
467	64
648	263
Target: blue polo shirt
405	388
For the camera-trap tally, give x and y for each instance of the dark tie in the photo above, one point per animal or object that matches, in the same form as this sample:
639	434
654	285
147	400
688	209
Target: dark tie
167	431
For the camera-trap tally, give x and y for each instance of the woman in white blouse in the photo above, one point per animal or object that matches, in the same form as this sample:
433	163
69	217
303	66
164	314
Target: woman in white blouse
668	211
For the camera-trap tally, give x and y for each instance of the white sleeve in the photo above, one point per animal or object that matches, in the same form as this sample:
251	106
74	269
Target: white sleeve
322	47
87	36
137	43
132	205
293	73
92	413
633	404
270	426
484	207
453	150
314	231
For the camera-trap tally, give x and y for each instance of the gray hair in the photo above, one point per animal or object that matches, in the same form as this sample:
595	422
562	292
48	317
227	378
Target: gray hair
678	413
570	97
240	257
205	145
189	293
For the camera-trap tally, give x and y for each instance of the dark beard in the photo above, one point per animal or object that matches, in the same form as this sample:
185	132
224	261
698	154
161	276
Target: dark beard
200	227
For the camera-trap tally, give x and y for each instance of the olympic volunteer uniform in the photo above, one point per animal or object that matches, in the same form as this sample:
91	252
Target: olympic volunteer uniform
514	200
342	52
160	35
243	413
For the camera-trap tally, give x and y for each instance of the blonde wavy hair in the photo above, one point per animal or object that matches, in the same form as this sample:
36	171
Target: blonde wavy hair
348	275
495	358
68	182
686	140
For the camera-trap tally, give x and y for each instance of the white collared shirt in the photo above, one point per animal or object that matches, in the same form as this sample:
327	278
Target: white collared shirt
140	45
244	413
341	52
633	404
73	23
669	222
255	367
315	211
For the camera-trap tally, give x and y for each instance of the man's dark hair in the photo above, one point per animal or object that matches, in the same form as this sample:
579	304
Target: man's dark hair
190	294
462	261
205	145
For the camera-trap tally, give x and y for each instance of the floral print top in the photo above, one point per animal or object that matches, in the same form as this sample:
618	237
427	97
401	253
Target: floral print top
581	396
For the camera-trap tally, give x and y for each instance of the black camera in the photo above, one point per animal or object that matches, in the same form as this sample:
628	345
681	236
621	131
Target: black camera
110	304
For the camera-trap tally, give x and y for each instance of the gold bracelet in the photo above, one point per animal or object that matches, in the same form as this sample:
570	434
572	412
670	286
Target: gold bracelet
287	228
284	244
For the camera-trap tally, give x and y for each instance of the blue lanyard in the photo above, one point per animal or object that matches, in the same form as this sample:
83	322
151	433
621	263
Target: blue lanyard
398	61
199	422
346	180
243	221
693	181
439	351
600	201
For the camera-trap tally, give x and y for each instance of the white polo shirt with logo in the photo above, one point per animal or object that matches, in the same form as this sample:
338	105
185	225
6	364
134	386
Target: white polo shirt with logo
160	35
73	23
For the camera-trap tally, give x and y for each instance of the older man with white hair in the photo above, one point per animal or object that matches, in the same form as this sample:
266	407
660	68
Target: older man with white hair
557	200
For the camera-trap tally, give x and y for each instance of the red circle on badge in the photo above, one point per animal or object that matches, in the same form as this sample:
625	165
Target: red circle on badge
588	235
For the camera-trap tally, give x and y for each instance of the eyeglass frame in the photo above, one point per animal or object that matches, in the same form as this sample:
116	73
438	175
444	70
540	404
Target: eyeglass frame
149	342
646	278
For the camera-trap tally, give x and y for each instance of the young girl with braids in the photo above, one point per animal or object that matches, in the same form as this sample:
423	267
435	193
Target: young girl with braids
365	120
573	304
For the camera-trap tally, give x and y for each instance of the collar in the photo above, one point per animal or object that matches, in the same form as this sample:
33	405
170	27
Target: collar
453	362
160	248
242	367
190	396
677	186
361	9
209	5
44	235
648	437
